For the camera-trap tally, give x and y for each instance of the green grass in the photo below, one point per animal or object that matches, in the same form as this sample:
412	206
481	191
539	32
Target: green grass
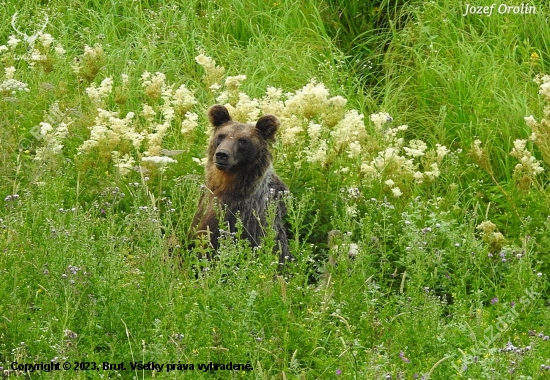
93	265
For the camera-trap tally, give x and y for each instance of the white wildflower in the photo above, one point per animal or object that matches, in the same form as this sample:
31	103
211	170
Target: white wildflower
432	174
334	112
52	140
369	170
290	128
223	98
124	164
274	93
389	183
12	42
45	128
59	50
234	83
416	148
530	121
351	211
183	99
390	135
441	151
154	84
545	90
317	154
310	101
105	87
10	72
246	110
271	103
519	147
215	87
350	129
46	40
379	119
214	73
12	86
338	102
148	112
314	131
98	94
200	161
155	139
476	149
190	123
528	165
159	162
354	149
109	131
396	191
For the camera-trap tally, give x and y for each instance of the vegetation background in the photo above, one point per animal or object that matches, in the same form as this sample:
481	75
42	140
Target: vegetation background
440	271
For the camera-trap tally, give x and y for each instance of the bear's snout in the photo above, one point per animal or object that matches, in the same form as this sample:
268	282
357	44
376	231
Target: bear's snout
222	159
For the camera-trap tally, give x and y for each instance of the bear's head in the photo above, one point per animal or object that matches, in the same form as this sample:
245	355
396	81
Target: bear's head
237	147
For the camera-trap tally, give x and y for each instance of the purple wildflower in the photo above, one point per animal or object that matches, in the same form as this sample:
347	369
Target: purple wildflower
402	356
494	301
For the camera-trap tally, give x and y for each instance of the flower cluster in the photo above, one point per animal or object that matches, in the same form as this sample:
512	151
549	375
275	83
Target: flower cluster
90	62
10	86
160	162
124	164
53	136
98	94
528	166
213	74
491	235
480	156
231	93
399	165
110	133
541	130
190	123
153	84
320	130
246	110
41	52
120	139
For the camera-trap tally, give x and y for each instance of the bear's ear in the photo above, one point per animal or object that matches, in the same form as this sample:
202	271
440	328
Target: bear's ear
218	115
267	125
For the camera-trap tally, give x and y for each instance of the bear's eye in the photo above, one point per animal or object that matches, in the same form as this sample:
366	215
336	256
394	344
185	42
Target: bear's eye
220	138
243	142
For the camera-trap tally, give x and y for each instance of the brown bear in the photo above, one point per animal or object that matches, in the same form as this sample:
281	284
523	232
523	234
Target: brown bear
240	178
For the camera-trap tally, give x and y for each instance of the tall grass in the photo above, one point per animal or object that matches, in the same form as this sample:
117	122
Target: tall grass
94	265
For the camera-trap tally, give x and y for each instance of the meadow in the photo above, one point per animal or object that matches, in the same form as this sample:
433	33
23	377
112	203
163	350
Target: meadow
421	135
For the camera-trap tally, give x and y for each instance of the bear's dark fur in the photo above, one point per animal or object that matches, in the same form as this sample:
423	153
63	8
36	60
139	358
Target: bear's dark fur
240	178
